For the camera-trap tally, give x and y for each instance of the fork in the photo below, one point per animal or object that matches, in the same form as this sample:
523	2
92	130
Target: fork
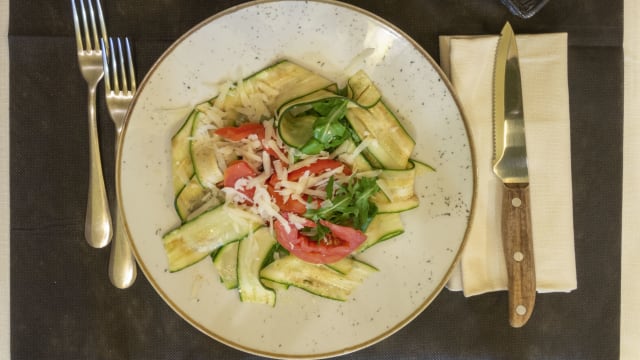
122	264
98	227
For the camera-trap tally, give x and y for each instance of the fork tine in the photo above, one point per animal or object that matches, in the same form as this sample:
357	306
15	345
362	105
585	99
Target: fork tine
105	65
94	32
123	73
132	73
103	28
87	40
89	27
76	25
114	67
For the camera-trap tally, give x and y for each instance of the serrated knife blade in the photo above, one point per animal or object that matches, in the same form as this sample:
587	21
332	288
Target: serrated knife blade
510	166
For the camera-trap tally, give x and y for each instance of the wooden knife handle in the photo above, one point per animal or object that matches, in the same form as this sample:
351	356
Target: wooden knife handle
518	252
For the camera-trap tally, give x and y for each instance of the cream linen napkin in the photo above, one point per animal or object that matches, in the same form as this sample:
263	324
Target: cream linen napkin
469	62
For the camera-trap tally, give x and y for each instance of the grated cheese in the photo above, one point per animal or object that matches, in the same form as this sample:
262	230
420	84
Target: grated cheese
242	93
232	195
315	192
214	114
266	164
308	184
281	171
360	148
266	208
269	130
304	163
297	221
222	95
259	180
272	145
219	154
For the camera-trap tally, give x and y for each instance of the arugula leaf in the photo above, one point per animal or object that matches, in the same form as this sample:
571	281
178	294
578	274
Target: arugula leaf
312	147
365	188
316	233
324	107
329	129
348	204
329	188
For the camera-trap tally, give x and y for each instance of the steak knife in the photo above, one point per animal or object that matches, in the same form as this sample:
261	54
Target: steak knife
510	166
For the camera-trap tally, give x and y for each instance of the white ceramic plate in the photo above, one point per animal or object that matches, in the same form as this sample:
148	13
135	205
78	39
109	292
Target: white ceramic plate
325	37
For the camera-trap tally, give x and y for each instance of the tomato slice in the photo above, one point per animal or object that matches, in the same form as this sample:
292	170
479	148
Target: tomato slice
346	233
296	206
291	205
237	170
339	243
237	133
318	167
271	152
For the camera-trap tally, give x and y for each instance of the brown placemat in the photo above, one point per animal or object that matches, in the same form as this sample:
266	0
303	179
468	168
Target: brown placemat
63	306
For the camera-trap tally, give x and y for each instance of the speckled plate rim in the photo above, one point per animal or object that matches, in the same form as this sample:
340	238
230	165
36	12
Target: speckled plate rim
399	325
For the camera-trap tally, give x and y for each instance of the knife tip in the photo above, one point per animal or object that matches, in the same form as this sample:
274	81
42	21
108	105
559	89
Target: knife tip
506	29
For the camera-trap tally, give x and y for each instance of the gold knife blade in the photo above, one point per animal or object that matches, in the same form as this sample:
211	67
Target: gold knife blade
510	166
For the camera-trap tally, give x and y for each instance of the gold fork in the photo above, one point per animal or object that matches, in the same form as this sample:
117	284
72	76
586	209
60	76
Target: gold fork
122	264
98	228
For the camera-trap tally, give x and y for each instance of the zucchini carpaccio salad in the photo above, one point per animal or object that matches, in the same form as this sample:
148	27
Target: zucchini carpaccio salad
283	178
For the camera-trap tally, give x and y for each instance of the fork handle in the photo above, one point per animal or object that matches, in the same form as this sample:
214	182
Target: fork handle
122	264
97	226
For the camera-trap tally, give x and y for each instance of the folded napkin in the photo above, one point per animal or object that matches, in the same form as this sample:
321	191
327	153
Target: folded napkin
469	62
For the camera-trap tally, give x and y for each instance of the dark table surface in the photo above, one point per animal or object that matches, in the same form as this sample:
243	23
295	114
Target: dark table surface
64	307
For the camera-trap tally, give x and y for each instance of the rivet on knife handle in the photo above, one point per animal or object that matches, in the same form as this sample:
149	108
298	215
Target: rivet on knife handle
518	252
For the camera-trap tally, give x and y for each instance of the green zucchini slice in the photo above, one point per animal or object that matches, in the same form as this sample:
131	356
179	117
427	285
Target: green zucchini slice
225	260
182	167
295	129
382	227
317	279
389	144
253	250
398	185
199	237
361	90
193	198
385	206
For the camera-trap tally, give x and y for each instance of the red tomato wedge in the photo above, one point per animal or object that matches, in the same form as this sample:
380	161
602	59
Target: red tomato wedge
237	133
318	167
291	205
238	170
345	233
339	243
